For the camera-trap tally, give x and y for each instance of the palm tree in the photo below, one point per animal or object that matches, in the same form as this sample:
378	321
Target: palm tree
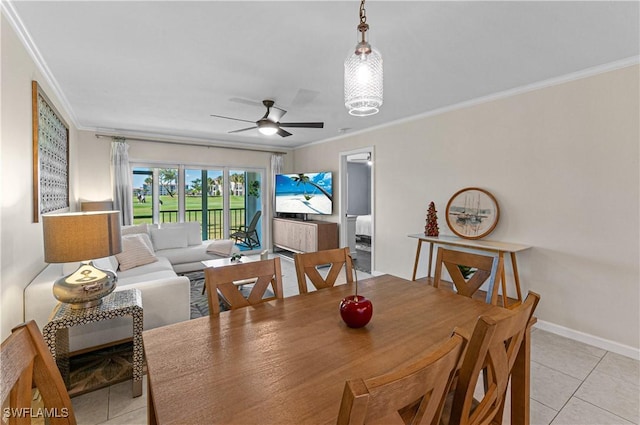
196	186
236	179
305	181
148	183
168	176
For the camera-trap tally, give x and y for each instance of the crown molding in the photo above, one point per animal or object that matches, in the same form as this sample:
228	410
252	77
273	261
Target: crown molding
578	75
34	53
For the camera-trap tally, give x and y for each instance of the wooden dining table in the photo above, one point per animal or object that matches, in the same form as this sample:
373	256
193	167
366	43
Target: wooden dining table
286	361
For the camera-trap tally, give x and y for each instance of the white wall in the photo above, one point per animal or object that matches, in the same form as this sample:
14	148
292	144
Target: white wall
563	163
21	248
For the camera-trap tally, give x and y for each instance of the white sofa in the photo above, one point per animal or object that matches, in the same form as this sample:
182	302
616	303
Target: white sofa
165	294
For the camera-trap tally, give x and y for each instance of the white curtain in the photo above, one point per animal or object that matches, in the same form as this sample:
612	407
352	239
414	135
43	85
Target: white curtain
277	164
121	180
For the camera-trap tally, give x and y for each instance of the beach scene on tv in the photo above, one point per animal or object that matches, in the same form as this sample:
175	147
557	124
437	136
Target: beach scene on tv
305	193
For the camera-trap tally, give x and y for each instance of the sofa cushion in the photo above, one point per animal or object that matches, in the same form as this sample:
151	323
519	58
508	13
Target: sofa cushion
189	254
221	247
191	228
135	252
161	265
166	238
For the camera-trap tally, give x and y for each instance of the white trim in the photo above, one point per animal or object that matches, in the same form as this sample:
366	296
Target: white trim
596	341
585	73
32	49
343	199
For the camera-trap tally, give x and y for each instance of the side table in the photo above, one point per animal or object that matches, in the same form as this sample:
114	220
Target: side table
117	304
483	245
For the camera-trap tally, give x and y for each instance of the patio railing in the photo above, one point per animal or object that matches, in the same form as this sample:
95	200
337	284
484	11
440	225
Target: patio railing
215	219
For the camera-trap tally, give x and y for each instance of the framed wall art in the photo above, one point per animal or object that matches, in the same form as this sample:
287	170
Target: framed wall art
472	213
50	156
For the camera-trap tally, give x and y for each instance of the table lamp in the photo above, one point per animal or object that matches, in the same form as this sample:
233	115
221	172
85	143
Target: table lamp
96	206
82	236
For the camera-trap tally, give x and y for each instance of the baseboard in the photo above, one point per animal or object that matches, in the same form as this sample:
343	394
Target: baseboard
596	341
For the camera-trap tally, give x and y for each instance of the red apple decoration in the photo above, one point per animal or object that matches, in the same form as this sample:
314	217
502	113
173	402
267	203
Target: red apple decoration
356	311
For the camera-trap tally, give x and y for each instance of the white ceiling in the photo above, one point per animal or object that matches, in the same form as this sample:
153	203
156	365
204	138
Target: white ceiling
162	68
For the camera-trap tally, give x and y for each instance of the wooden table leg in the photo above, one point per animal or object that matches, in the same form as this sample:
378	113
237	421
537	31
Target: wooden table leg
516	278
430	258
521	382
415	264
151	408
503	281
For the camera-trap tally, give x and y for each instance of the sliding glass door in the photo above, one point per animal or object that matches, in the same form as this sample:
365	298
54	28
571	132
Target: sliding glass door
245	187
222	209
204	200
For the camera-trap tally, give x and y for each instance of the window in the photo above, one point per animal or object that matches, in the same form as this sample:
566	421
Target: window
204	197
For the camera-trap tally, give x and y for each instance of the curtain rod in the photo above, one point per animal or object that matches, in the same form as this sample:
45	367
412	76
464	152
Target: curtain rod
201	145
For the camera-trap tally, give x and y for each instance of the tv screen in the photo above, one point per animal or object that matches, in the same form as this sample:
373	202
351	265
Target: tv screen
304	193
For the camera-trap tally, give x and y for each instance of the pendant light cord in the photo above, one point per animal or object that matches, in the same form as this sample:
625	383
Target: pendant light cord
363	26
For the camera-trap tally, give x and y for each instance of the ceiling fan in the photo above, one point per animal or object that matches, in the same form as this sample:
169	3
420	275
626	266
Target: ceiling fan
270	123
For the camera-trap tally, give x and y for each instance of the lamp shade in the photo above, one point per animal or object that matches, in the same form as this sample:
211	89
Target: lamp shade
81	236
96	206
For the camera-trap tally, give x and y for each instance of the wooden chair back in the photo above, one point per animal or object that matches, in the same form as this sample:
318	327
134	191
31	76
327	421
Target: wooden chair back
493	348
416	391
226	281
487	268
27	362
307	266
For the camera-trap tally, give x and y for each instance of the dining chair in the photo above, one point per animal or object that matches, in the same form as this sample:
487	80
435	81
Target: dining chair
247	235
27	363
492	348
307	266
225	282
469	272
422	385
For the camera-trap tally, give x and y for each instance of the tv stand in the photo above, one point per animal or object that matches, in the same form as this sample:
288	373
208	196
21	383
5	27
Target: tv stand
304	236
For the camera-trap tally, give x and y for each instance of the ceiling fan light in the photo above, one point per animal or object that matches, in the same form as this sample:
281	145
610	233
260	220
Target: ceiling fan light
266	127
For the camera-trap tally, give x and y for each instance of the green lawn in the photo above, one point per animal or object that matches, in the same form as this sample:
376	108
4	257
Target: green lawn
193	203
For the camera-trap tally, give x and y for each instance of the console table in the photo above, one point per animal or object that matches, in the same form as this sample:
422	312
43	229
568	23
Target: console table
491	246
121	303
304	236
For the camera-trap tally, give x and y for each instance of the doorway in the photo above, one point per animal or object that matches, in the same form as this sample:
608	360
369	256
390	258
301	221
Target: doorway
357	223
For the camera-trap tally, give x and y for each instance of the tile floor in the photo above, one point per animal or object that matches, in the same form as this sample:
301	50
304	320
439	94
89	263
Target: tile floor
571	384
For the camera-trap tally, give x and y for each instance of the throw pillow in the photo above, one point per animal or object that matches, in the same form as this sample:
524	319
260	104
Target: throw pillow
106	263
221	247
191	228
131	230
147	241
135	252
166	238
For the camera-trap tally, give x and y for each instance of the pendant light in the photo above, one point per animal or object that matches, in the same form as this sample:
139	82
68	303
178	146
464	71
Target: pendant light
363	75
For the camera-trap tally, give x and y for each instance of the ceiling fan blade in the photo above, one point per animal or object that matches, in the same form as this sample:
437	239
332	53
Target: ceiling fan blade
303	124
243	129
246	101
283	133
276	114
229	118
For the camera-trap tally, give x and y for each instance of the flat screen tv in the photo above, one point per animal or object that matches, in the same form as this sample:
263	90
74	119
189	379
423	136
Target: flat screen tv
304	193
